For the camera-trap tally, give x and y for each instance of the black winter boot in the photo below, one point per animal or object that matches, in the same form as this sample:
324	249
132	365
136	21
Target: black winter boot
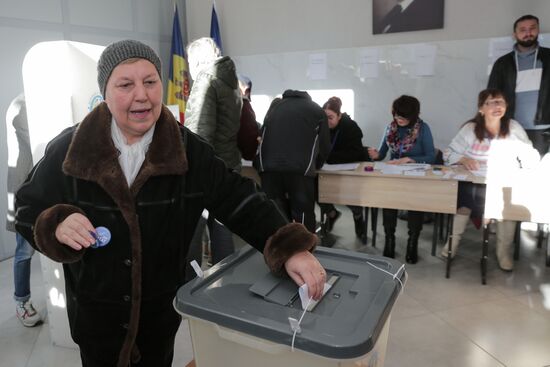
359	223
389	244
412	247
331	218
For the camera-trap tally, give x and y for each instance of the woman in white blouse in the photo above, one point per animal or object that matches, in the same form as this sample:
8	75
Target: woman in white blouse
475	147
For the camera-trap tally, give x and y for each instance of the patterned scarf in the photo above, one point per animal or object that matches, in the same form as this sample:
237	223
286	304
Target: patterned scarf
395	143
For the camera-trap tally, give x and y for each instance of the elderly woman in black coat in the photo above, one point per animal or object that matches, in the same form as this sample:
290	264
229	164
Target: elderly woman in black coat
130	168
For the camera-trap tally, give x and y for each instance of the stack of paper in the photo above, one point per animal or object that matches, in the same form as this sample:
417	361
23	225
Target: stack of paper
409	169
340	167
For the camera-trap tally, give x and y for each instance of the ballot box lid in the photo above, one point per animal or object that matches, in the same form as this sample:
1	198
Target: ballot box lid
240	293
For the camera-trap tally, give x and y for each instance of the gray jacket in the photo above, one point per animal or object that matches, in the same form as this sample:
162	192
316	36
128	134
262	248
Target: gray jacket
214	109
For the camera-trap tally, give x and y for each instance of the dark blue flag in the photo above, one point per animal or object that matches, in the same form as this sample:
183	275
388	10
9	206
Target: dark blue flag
215	29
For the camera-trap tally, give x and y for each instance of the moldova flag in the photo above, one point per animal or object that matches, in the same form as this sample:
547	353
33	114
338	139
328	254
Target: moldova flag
178	85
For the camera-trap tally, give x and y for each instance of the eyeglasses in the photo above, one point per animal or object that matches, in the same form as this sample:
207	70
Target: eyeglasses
495	103
397	117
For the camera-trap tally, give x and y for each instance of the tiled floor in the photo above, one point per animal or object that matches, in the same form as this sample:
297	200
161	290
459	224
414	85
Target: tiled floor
436	321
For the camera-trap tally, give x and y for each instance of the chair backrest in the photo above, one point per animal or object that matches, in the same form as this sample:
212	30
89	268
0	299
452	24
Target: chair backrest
366	157
438	157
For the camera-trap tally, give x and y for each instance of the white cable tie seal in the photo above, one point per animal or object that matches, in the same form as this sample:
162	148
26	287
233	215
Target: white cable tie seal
295	324
197	269
394	276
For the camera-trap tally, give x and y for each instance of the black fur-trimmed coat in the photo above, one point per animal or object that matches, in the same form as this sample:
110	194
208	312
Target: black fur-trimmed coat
113	290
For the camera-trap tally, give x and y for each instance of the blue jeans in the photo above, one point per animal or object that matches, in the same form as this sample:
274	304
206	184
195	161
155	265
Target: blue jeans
22	269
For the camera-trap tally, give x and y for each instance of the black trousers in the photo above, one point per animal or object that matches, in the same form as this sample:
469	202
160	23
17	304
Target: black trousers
415	220
540	139
294	194
155	341
472	196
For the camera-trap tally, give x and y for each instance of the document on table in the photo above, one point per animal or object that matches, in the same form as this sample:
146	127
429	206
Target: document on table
481	172
340	167
414	173
460	177
390	169
397	169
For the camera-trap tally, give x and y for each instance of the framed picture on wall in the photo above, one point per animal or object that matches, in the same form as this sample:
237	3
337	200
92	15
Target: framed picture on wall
390	16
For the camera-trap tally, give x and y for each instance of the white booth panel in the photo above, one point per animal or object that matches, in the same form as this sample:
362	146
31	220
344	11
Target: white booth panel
60	82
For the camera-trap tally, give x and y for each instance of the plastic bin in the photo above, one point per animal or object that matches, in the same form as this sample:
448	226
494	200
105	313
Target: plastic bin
238	313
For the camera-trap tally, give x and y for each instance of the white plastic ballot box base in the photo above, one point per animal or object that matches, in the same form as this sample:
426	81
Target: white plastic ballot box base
216	346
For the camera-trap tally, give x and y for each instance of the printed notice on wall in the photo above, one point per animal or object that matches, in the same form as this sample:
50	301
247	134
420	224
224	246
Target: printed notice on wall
317	69
368	63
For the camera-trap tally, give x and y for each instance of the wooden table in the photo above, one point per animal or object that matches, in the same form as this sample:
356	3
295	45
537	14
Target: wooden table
428	193
520	199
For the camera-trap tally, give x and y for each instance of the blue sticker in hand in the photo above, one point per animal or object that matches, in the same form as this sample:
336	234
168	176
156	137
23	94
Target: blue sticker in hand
102	237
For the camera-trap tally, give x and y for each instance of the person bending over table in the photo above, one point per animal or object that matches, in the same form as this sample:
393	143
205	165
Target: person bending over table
346	146
409	140
473	147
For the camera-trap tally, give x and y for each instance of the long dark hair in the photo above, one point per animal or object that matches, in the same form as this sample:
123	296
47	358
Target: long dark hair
479	120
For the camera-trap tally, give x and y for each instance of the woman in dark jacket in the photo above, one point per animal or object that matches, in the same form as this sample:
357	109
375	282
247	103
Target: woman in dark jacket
409	140
213	112
249	131
346	147
129	167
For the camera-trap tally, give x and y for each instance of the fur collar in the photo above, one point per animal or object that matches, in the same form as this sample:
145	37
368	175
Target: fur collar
92	155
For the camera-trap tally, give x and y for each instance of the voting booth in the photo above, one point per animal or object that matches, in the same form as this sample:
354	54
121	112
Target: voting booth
239	312
60	82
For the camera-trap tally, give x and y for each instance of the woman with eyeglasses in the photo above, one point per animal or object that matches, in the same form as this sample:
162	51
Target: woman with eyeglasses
409	140
472	147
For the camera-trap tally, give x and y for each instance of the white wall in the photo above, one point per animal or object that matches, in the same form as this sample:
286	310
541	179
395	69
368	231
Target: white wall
24	23
267	26
248	27
271	42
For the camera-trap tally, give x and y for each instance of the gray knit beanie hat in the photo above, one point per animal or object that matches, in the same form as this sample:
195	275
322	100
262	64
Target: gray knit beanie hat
119	51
